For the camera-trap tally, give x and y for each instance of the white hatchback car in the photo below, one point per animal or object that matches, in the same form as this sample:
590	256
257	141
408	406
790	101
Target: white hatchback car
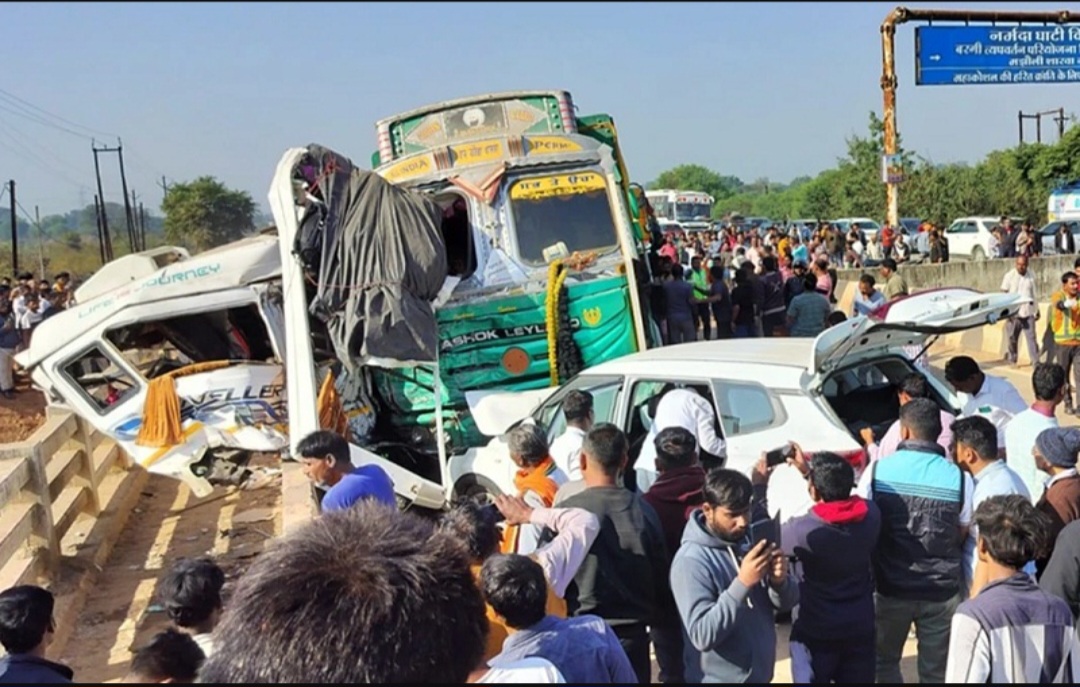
817	392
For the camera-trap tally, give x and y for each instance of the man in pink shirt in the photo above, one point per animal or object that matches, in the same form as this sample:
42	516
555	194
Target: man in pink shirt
912	386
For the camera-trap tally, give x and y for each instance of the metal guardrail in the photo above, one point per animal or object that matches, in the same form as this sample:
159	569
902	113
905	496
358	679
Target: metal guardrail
46	483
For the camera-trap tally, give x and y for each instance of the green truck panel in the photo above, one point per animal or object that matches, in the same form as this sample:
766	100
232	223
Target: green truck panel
475	340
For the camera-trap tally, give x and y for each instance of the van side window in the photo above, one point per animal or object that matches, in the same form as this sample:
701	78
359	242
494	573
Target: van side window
103	383
745	408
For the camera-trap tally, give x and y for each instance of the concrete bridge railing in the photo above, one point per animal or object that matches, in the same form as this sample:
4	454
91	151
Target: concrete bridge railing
65	494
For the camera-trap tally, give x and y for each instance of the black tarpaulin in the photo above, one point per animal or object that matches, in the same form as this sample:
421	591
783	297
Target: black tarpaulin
378	260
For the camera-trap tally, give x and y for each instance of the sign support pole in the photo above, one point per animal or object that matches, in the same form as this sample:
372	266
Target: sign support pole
901	15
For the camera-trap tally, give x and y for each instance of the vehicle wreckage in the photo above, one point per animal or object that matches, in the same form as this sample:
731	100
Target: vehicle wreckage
498	245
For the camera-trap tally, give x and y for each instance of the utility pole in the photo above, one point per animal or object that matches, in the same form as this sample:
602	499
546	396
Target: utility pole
41	242
14	230
127	205
136	246
164	188
889	82
100	236
1059	117
103	218
142	226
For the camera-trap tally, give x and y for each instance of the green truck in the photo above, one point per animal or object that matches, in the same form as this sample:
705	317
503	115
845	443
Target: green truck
524	183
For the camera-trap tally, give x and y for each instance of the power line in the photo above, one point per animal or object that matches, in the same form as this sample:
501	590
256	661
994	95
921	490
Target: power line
44	122
16	135
26	103
29	155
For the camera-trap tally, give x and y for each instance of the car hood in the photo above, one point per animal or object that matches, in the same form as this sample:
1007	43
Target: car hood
909	321
495	412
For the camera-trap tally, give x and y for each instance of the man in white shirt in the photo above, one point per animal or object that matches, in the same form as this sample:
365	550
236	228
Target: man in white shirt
994	398
1049	382
688	409
577	408
975	450
1020	282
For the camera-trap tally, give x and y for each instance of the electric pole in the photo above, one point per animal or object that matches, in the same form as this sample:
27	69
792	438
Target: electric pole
164	188
136	234
127	205
100	236
103	218
14	230
40	242
142	224
1059	117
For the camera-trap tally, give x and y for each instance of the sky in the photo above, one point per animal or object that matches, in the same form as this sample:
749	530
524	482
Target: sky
750	89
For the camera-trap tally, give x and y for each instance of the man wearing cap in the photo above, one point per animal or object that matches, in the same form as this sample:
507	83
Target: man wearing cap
1055	454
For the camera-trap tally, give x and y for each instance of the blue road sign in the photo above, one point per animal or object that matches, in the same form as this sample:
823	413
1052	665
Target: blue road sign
964	55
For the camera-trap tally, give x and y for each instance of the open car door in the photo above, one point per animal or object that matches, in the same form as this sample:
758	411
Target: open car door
909	321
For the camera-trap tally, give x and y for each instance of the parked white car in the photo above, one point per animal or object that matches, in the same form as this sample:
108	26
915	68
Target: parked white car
816	392
866	226
969	237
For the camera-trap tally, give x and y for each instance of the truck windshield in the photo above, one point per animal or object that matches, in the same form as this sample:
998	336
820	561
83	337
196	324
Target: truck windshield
685	212
573	209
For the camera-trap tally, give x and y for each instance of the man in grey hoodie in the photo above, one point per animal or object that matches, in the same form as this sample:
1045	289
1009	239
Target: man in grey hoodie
725	589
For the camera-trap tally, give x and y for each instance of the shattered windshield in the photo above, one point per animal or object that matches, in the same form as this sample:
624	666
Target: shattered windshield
572	208
686	212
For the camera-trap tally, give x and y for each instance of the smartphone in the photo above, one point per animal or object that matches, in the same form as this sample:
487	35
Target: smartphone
766	529
780	455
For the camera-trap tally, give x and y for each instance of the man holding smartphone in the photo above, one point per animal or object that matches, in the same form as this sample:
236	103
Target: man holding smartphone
726	590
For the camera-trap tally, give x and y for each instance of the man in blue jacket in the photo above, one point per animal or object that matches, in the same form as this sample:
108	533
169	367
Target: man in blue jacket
725	589
26	628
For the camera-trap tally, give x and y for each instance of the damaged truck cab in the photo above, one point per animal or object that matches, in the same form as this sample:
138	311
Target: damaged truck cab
506	257
161	314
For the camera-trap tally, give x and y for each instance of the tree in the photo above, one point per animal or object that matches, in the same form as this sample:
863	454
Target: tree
205	213
697	178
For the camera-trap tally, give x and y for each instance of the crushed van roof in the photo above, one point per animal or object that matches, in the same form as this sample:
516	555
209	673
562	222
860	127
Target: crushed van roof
242	262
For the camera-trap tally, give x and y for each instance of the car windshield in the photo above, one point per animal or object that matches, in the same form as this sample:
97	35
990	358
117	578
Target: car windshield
685	212
570	208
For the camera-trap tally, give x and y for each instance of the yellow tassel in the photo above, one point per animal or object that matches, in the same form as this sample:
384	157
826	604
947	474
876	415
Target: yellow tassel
161	422
331	409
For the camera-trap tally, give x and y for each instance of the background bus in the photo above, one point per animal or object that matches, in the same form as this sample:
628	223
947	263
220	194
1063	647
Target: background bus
681	210
1064	202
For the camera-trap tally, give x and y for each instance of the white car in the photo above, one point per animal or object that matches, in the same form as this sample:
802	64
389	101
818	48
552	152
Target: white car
816	392
866	226
969	237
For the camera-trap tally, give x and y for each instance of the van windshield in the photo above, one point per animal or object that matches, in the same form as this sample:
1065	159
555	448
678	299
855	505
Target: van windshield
571	208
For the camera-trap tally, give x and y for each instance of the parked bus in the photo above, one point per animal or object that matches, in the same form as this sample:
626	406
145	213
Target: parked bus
681	210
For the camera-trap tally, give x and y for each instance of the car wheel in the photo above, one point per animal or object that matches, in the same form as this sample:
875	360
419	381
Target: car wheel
473	487
977	254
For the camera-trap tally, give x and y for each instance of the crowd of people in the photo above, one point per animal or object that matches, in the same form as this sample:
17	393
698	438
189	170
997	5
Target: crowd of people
24	303
965	528
579	579
742	284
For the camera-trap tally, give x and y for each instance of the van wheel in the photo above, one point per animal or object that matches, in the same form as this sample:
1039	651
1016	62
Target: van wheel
977	254
473	487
